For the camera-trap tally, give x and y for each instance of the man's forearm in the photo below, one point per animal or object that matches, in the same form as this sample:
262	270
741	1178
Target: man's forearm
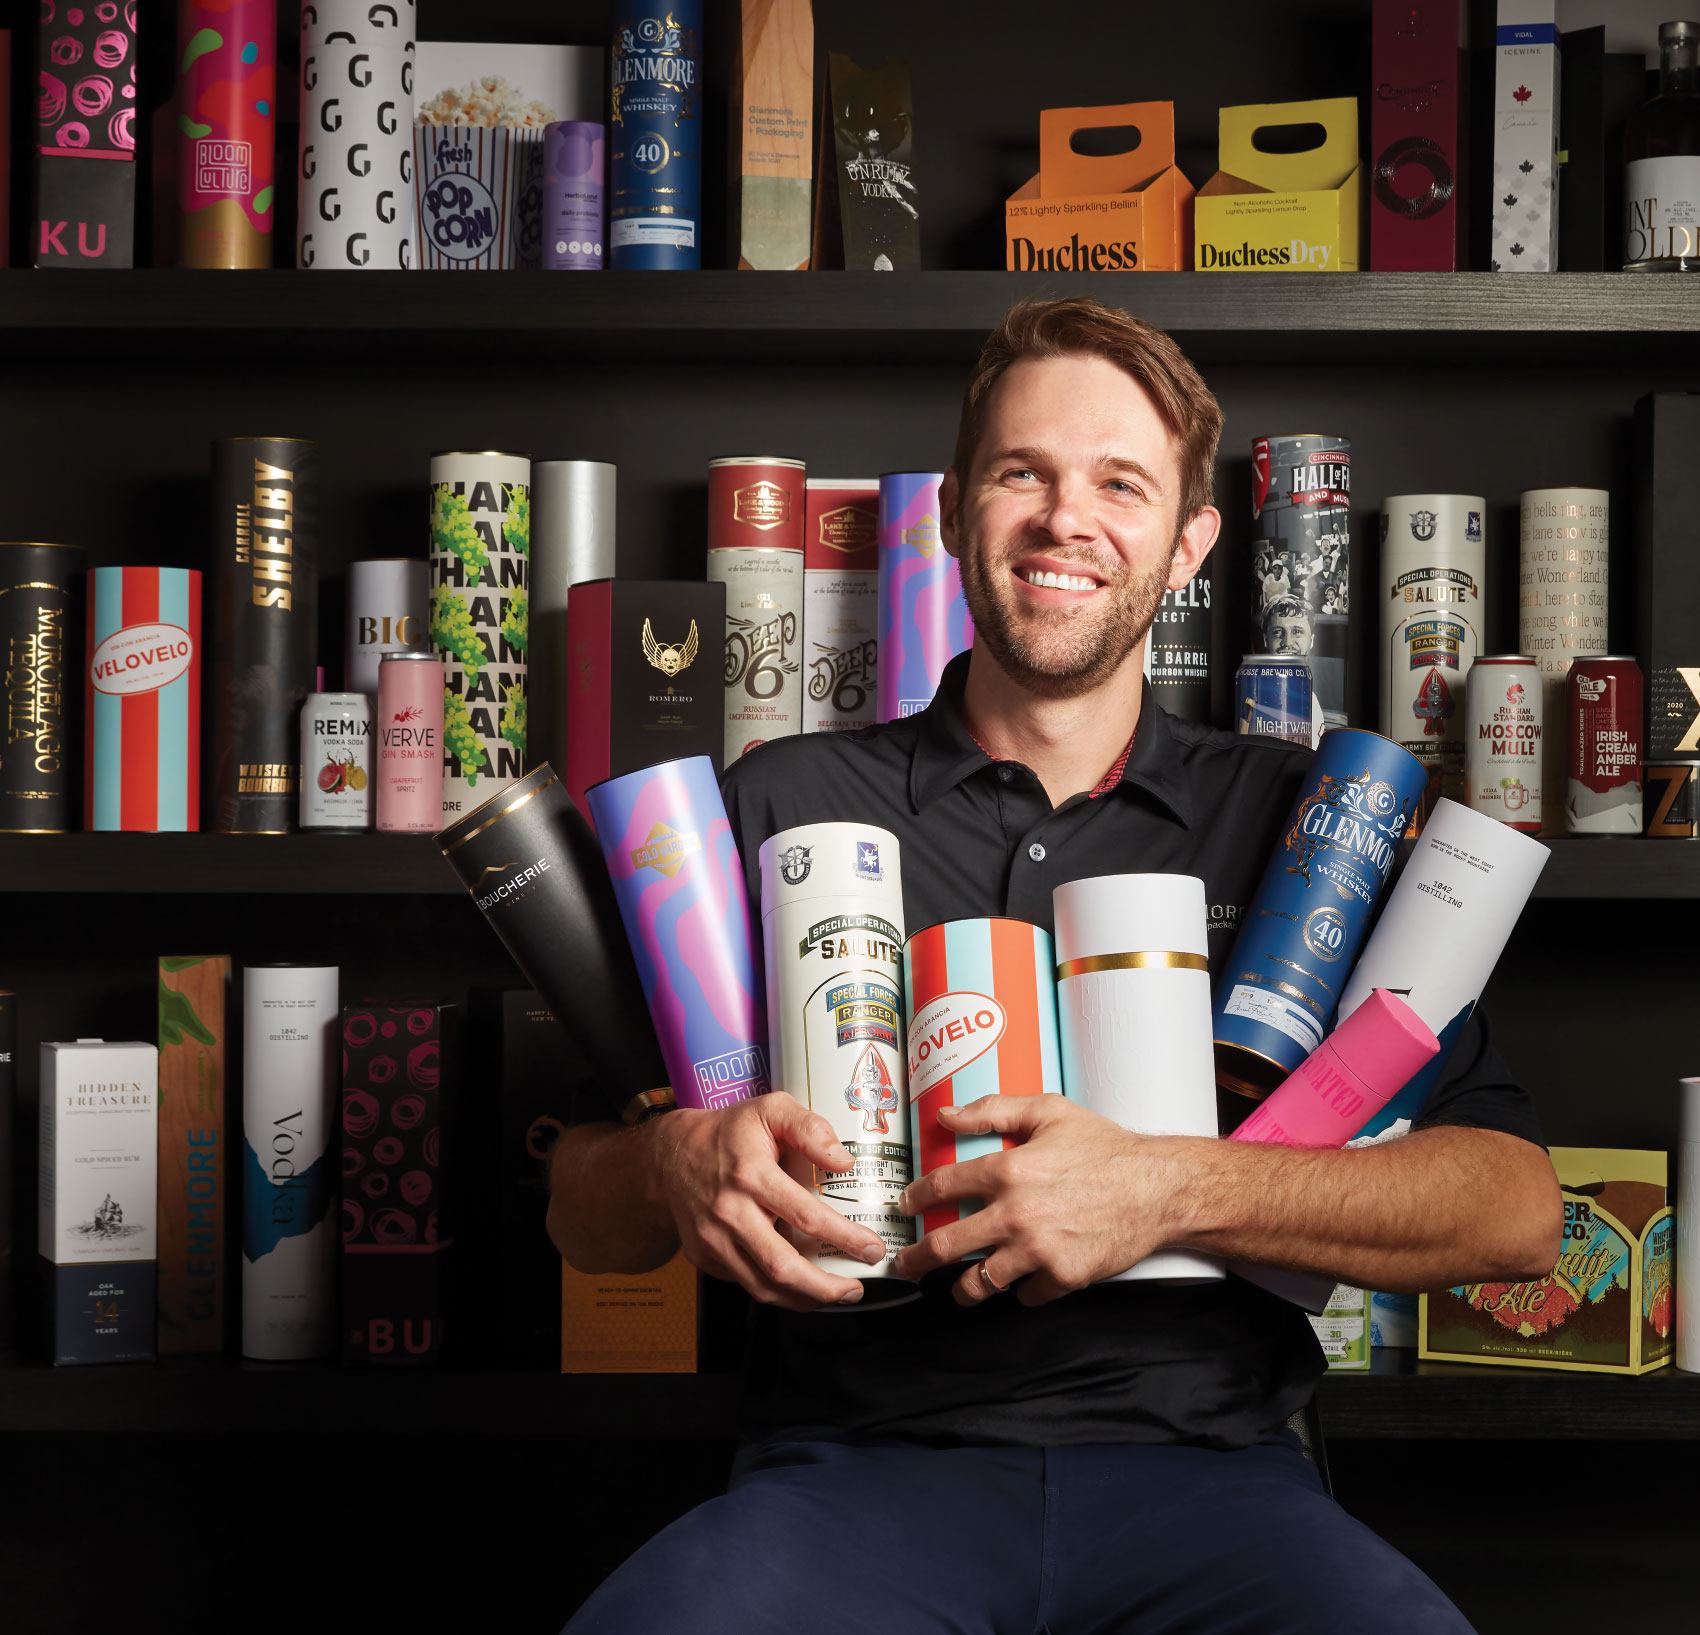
605	1214
1441	1206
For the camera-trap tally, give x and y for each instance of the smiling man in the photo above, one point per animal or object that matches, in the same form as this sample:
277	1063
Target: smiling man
1028	1448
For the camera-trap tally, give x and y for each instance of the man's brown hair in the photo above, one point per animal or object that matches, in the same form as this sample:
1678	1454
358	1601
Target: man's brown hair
1079	327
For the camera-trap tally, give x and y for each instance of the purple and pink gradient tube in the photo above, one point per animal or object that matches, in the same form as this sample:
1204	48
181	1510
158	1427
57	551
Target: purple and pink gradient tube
680	886
1347	1079
923	618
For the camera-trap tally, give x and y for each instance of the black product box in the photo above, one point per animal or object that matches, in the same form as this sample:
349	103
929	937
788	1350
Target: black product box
1667	569
100	1311
644	681
1598	91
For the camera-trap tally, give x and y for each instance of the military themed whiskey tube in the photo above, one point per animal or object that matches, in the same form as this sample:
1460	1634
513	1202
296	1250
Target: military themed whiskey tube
980	998
1301	496
923	618
755	549
264	612
289	1081
226	132
38	589
680	886
536	873
1133	1015
1433	572
481	619
655	136
832	931
841	578
572	540
1304	927
388	602
142	726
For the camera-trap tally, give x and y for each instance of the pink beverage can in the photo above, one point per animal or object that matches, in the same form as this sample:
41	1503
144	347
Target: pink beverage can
410	743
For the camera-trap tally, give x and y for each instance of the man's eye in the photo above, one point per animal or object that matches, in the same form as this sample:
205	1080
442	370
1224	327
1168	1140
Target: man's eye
1019	473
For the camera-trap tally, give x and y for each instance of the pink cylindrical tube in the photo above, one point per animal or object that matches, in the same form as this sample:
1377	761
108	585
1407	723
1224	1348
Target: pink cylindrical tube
1347	1079
410	743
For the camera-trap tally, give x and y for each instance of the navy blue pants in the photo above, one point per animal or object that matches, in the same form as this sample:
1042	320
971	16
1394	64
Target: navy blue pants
817	1538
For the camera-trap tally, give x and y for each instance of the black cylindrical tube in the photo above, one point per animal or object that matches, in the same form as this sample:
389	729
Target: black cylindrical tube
8	1085
38	644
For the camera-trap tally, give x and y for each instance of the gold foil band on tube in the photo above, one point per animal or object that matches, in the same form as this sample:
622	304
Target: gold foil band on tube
512	805
648	1104
1131	962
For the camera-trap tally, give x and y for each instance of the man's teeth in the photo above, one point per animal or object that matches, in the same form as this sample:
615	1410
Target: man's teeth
1060	581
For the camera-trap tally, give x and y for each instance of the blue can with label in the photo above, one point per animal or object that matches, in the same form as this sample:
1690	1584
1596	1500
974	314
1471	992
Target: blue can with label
1277	995
655	136
1272	698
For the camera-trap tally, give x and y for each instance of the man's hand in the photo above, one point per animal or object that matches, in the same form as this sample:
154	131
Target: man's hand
1079	1199
721	1175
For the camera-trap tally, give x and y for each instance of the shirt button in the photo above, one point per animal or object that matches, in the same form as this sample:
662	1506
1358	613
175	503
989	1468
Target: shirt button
1036	852
1006	774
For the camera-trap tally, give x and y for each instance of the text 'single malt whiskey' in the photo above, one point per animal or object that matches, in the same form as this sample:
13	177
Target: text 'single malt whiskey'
1661	172
263	617
39	585
655	135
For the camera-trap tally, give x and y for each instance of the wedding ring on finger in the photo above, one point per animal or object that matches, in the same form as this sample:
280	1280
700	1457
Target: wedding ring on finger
989	1283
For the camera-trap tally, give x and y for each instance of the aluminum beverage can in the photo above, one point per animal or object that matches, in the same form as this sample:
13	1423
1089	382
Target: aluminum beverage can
832	931
1312	909
409	795
38	595
1672	798
840	602
388	603
1272	698
572	196
1605	709
685	906
1502	740
1301	562
980	997
336	761
923	617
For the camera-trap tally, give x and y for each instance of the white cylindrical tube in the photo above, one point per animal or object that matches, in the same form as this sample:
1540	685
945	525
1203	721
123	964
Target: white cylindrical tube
1133	1003
289	1057
1688	1229
388	599
832	931
572	541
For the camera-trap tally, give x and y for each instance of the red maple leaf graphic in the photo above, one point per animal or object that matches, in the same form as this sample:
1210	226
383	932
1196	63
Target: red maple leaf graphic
1522	93
411	713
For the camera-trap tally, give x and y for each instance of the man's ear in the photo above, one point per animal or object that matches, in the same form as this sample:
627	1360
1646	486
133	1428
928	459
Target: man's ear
950	510
1194	545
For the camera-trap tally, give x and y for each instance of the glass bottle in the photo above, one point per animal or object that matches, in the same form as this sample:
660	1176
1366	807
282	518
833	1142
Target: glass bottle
1661	152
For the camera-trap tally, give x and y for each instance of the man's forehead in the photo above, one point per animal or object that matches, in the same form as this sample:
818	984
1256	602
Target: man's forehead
1078	408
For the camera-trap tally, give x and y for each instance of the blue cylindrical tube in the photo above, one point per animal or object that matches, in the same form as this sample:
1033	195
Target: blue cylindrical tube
1276	997
655	136
923	618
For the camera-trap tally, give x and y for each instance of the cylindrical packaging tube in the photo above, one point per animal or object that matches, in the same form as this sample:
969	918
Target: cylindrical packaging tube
680	886
142	728
1301	508
832	929
1688	1228
355	207
1177	652
388	612
655	136
226	132
264	601
1503	726
1446	923
38	609
1433	572
572	540
481	619
1133	1011
981	1004
1312	909
536	874
336	762
410	732
1347	1079
841	596
1563	599
289	1077
573	209
923	618
8	1104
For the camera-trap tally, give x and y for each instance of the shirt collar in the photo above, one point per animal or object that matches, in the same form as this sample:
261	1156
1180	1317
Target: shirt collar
946	752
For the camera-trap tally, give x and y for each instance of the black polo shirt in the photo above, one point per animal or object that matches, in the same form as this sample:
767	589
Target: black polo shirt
1222	1364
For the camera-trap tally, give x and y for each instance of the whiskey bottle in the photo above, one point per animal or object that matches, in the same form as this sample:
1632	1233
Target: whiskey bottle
1661	151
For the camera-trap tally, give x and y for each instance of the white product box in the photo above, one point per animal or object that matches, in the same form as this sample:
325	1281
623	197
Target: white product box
1525	138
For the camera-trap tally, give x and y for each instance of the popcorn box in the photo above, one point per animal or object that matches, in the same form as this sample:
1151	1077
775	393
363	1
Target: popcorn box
1525	138
1606	1306
1282	212
1122	212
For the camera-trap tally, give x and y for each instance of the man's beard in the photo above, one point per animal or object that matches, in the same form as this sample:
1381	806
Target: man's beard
1060	652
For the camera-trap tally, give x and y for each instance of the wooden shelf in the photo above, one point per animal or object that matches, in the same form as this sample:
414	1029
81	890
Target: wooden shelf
1560	319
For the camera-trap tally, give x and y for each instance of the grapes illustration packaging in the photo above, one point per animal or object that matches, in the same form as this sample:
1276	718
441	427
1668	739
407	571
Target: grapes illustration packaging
396	1085
481	619
923	618
832	932
680	886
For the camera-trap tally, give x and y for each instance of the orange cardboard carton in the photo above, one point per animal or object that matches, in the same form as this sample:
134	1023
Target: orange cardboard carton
1126	211
630	1323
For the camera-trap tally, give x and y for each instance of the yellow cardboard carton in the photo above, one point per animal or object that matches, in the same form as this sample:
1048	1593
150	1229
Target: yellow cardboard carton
1283	212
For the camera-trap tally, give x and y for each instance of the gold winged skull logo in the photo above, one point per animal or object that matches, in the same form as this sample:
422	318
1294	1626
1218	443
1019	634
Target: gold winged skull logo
669	657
